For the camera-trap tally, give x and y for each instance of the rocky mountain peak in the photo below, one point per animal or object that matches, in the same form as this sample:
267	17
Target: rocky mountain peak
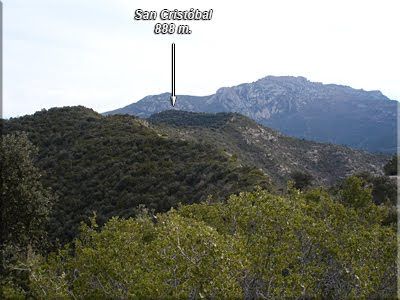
298	107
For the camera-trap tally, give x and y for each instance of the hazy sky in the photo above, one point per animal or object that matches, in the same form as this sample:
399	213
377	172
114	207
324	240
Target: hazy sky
92	52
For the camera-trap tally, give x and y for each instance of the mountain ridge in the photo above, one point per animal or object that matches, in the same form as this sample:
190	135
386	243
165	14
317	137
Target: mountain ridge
276	154
297	107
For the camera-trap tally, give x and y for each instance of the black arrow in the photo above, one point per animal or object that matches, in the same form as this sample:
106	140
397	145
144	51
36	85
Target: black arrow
173	95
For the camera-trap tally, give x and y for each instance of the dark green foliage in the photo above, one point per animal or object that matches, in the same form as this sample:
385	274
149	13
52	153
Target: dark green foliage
254	246
113	164
24	207
354	194
384	193
301	179
25	203
391	167
384	188
191	119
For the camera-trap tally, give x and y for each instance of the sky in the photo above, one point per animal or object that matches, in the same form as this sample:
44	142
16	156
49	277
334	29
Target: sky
93	53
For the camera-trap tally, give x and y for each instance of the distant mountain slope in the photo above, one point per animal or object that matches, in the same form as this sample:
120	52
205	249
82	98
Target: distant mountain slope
113	164
275	153
297	107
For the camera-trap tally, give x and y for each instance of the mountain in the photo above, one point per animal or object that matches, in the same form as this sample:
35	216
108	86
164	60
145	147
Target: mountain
297	107
274	153
113	164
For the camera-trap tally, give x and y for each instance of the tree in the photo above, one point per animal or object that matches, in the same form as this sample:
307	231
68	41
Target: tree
301	179
25	205
390	168
383	188
354	193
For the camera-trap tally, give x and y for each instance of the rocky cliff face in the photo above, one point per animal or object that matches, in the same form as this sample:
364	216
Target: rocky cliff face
300	108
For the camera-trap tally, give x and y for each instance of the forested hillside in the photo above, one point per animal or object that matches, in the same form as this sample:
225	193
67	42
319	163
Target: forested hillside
113	164
175	213
276	154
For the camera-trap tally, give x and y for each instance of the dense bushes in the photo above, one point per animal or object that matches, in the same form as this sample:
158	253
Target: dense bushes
257	245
